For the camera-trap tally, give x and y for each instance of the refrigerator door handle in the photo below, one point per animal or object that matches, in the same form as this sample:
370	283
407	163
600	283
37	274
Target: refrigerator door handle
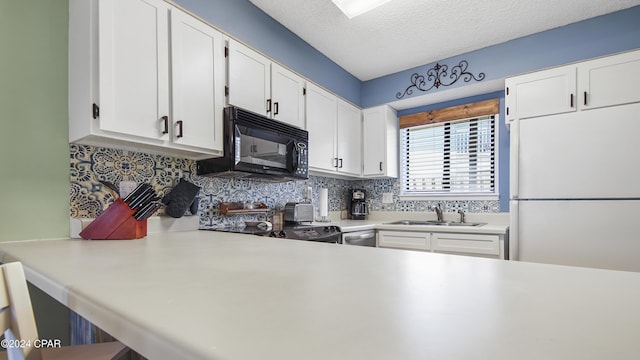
513	229
514	158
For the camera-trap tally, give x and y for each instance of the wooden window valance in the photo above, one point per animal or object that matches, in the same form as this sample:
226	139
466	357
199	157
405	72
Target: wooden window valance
477	109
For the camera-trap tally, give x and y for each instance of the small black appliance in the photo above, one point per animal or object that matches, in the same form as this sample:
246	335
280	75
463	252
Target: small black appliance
259	147
358	208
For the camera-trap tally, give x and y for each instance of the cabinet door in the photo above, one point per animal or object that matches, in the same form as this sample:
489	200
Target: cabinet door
373	141
608	81
479	244
287	96
133	66
542	93
404	240
349	139
380	142
249	79
322	116
197	73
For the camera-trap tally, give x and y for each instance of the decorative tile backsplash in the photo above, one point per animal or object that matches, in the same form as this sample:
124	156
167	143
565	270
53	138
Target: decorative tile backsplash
89	197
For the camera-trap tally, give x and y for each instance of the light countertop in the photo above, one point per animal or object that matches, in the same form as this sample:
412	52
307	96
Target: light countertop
214	295
484	229
352	225
493	224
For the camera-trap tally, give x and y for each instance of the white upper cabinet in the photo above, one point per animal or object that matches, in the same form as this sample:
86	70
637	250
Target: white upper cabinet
380	142
125	79
249	79
259	85
349	146
542	93
133	66
335	134
287	96
198	82
609	81
322	119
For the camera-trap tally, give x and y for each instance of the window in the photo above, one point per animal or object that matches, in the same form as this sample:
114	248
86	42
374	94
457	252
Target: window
455	157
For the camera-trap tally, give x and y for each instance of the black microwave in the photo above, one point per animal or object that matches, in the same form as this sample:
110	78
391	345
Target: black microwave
259	147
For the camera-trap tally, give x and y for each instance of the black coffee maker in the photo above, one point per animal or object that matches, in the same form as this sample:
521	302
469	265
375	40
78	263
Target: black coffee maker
357	204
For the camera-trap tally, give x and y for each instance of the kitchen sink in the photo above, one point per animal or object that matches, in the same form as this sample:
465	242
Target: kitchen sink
417	222
453	223
433	222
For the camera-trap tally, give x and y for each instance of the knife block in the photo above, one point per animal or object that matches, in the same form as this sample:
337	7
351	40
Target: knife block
116	223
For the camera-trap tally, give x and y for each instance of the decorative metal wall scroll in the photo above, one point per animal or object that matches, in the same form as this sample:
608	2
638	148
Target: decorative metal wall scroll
437	76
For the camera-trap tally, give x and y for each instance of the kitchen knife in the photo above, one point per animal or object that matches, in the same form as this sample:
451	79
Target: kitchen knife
136	192
142	211
148	210
143	198
146	204
144	192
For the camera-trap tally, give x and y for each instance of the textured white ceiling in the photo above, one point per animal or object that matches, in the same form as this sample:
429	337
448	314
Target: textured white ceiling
403	34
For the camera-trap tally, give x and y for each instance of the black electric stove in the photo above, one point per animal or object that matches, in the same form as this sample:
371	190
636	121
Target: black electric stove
328	233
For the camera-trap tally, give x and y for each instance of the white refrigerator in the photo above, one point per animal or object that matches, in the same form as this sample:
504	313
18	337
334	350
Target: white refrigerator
575	188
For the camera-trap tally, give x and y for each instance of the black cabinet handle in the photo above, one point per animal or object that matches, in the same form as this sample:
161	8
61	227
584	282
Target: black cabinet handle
380	165
340	160
336	165
507	110
165	120
275	108
179	123
585	98
96	111
571	100
268	105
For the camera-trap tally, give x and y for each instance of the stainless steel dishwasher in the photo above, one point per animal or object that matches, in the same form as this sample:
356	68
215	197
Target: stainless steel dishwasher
360	238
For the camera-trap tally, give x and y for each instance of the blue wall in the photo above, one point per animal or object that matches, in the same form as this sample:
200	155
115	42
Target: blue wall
599	36
247	23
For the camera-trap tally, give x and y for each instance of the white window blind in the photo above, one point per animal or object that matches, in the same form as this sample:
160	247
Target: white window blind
455	157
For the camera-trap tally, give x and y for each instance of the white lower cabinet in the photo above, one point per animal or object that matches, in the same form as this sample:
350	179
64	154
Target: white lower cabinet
477	244
483	245
404	240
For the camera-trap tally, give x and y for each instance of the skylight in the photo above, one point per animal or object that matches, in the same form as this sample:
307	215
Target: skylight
353	8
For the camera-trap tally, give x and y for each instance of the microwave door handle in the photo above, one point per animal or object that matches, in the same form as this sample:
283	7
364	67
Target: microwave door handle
295	157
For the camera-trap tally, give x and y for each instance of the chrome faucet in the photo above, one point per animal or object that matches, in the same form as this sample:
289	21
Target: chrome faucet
438	210
461	212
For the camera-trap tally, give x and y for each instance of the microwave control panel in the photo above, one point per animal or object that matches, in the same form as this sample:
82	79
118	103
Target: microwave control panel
303	161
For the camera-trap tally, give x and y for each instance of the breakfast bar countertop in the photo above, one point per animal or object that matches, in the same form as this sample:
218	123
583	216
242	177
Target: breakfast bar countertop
213	295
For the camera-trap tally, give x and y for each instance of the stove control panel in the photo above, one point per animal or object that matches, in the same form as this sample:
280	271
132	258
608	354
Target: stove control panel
313	233
331	229
278	234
